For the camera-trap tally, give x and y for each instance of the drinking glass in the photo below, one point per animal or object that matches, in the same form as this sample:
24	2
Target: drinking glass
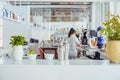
6	53
1	53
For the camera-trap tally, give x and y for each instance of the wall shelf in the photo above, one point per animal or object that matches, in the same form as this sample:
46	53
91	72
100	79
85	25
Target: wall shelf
13	20
62	14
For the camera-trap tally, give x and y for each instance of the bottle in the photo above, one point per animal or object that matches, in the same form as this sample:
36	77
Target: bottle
12	14
66	52
6	11
60	51
4	14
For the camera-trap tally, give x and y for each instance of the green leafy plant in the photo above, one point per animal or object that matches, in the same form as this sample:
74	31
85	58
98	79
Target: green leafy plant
112	27
17	40
31	52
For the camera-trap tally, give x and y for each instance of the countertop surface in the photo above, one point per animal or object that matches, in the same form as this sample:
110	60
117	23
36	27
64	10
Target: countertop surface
54	62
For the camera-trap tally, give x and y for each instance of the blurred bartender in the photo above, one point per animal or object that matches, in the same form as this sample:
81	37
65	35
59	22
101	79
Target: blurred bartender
73	43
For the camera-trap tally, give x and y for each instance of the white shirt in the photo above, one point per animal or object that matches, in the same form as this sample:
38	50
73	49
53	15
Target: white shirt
73	41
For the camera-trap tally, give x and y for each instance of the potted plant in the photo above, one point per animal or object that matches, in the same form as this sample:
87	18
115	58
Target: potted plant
17	42
31	54
112	32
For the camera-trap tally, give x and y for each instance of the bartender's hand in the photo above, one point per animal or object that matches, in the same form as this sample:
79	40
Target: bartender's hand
79	44
80	49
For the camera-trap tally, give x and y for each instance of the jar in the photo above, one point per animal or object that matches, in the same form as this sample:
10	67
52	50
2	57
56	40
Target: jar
100	42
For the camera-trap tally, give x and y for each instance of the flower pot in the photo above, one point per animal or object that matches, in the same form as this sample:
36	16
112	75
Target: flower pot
113	51
32	56
18	52
49	56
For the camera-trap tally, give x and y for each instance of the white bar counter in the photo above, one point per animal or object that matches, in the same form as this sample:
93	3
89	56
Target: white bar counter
58	70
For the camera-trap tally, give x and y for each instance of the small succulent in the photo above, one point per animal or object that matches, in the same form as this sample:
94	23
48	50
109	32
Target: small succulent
17	40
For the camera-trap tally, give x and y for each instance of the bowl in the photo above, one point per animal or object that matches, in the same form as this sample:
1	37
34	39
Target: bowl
49	56
32	56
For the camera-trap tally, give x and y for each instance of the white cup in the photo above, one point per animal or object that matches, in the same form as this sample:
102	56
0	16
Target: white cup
49	56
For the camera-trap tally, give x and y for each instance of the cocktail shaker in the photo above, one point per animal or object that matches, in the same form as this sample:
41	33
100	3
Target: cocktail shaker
66	52
60	51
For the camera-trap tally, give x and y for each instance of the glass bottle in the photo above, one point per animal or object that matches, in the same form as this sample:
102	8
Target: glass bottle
66	47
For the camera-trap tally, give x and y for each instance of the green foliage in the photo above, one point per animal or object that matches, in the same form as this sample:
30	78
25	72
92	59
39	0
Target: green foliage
17	40
31	52
112	27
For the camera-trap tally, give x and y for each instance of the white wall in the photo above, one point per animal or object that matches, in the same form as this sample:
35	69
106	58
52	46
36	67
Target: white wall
11	28
44	34
112	7
39	34
117	8
23	11
99	9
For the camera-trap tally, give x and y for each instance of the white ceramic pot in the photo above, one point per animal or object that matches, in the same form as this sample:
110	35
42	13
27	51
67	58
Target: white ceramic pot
49	56
32	56
18	52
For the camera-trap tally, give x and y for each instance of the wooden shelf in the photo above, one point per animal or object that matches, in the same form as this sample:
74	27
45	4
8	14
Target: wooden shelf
63	14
